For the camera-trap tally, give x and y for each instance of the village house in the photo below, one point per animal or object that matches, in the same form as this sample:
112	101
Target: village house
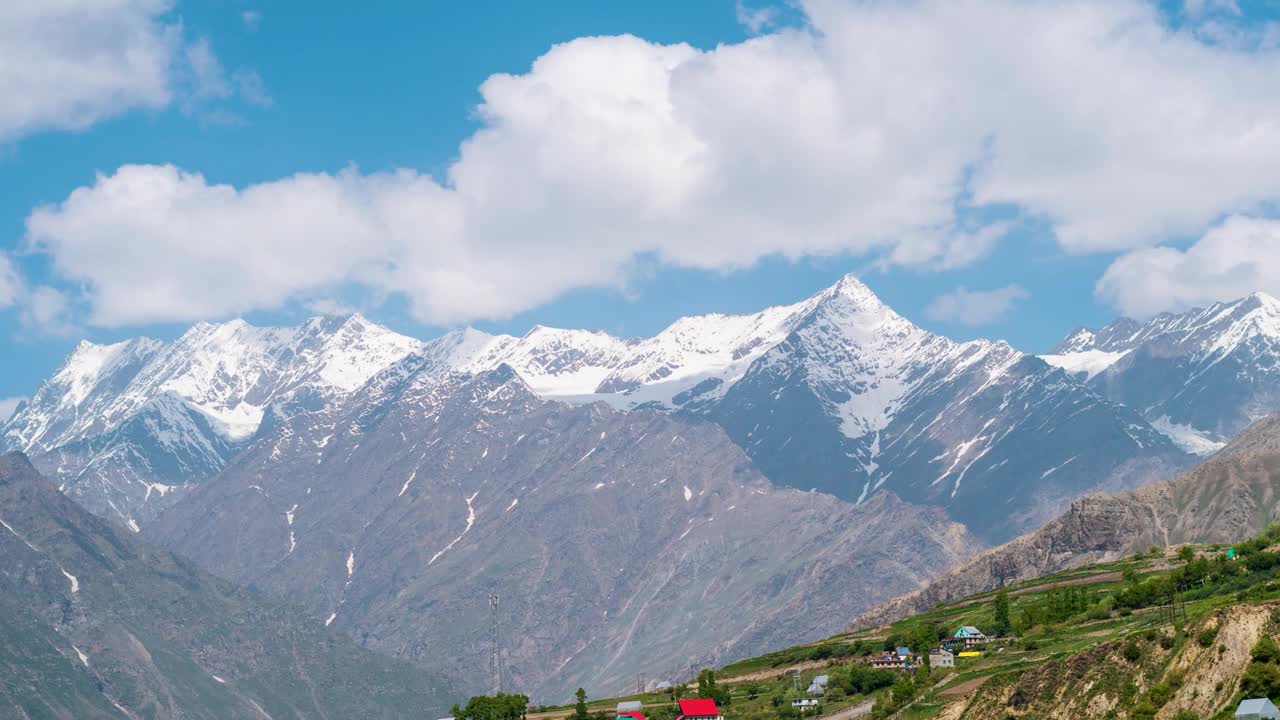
1257	709
699	709
805	704
965	638
941	658
889	661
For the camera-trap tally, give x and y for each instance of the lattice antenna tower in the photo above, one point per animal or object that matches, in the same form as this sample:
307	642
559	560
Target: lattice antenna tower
495	651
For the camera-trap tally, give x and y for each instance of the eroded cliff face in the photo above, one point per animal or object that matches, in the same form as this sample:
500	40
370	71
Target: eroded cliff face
1228	497
1100	683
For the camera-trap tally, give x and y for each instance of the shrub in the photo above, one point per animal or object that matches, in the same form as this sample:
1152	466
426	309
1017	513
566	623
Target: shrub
1131	652
1160	694
1167	641
1265	650
1176	678
1186	715
1206	636
1261	680
1143	711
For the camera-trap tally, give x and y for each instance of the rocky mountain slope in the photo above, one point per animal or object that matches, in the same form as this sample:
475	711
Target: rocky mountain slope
840	393
618	542
1229	496
837	393
123	428
1200	377
96	624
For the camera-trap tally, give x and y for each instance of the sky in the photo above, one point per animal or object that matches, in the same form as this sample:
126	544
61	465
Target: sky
996	168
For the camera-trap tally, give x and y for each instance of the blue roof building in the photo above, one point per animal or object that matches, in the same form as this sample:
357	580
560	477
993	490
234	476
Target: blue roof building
1257	709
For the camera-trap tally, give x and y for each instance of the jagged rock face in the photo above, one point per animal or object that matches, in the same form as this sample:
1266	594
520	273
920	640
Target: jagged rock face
1228	497
842	394
618	542
857	399
122	428
96	624
1200	377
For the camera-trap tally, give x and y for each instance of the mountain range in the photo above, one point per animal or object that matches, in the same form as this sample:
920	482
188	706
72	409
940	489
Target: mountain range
728	485
99	625
1200	377
837	393
618	542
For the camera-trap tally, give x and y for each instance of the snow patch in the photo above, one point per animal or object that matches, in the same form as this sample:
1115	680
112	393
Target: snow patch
351	563
133	525
75	584
330	619
9	527
688	494
471	520
1090	362
408	482
513	505
1187	437
83	658
1056	468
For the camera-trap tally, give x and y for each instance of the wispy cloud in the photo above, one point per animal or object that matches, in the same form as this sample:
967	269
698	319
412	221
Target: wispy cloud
975	307
8	405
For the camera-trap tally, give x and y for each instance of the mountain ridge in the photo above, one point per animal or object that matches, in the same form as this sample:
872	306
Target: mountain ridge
1230	495
98	624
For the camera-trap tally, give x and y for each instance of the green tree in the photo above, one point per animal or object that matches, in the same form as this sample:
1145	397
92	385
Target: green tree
498	707
1261	680
580	707
707	688
1001	605
1186	553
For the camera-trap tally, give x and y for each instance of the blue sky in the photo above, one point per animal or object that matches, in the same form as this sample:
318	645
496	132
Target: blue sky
324	88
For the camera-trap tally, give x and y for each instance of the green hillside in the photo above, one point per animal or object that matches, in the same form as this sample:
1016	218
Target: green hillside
1161	634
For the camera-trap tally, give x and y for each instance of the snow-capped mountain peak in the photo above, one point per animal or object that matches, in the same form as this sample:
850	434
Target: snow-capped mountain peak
141	413
1198	376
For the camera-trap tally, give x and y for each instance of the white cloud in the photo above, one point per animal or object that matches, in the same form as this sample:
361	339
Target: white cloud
251	88
8	405
47	311
208	79
1237	257
878	130
252	20
758	19
10	282
67	64
70	63
975	307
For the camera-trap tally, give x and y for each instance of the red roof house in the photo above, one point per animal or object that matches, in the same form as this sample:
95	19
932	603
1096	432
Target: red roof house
700	709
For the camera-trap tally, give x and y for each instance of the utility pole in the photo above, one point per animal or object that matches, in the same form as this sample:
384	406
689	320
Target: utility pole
495	657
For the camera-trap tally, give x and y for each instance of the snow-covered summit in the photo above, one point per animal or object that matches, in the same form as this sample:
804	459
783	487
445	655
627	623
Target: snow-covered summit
1199	376
143	412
